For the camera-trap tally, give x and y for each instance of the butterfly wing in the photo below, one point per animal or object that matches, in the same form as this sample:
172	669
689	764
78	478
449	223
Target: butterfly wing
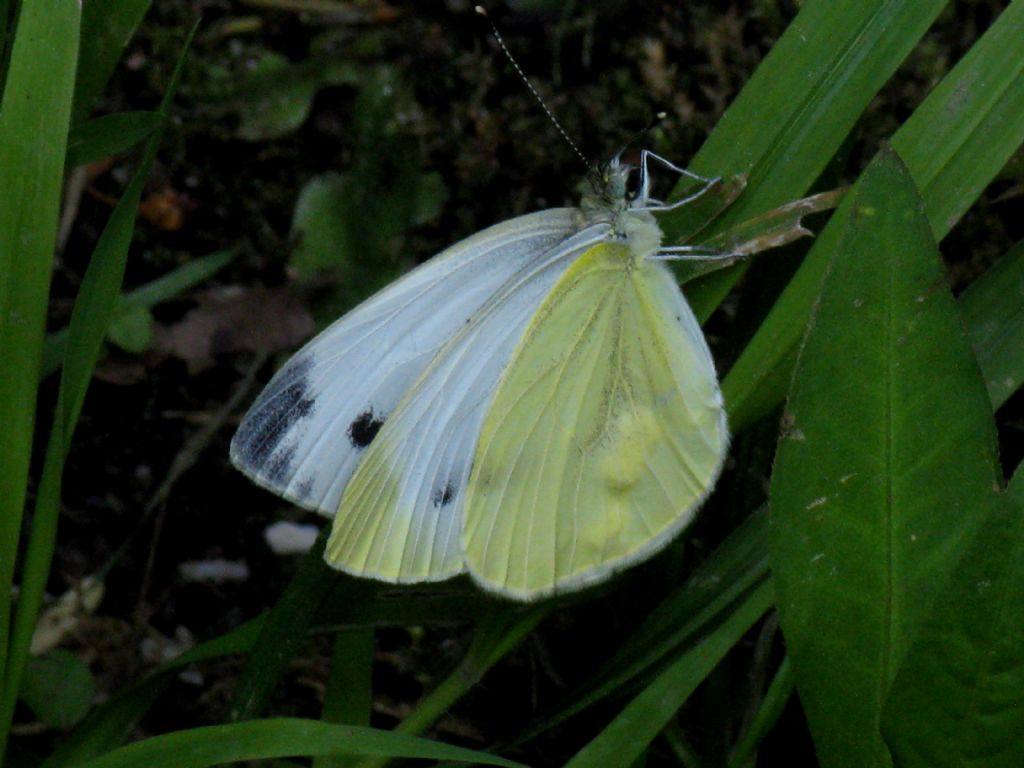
604	435
400	516
307	431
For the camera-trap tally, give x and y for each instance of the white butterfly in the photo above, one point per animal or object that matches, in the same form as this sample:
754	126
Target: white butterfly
536	405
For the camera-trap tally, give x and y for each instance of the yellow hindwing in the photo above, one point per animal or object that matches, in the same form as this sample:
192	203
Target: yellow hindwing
604	435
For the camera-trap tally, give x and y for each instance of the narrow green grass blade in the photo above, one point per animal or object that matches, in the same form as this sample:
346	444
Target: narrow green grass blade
107	27
109	135
348	698
279	737
113	721
89	321
497	633
639	723
34	117
172	284
885	470
757	382
993	311
733	570
967	129
801	104
283	633
957	699
500	629
767	715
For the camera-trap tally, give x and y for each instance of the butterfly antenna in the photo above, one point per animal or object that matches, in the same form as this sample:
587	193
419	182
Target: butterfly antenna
522	76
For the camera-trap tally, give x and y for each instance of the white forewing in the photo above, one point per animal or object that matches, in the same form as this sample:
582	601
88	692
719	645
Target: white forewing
401	514
307	431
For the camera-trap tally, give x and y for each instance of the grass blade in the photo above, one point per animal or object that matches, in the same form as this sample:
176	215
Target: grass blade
279	737
107	28
34	118
172	284
993	311
801	104
639	723
283	633
757	382
109	135
89	321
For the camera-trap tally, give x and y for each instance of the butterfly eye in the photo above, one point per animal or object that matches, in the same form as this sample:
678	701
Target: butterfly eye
634	184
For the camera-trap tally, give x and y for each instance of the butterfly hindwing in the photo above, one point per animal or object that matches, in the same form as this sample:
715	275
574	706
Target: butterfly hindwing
305	434
400	516
603	437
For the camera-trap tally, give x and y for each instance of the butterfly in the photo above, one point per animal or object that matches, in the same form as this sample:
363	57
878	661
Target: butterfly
535	406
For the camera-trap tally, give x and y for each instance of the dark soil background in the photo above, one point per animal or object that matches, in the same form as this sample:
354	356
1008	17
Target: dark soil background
422	100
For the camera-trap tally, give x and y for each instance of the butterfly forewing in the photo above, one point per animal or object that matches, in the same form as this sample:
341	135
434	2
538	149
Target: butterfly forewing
604	435
309	428
400	516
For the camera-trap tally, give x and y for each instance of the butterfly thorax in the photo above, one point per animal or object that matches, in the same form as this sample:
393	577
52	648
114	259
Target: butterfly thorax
608	199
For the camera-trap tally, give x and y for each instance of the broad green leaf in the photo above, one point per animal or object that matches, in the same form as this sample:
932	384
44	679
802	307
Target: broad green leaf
58	687
104	136
34	118
322	230
993	310
757	382
276	96
279	737
885	469
957	699
640	721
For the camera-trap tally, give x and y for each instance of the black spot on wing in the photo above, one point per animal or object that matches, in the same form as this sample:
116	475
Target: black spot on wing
443	496
274	414
364	428
278	466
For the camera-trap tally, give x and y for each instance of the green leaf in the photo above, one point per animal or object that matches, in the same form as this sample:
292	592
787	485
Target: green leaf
59	688
34	119
767	715
283	633
131	328
348	696
757	381
114	720
175	282
107	28
90	318
885	469
268	110
321	227
689	613
800	104
969	127
640	721
109	135
993	310
279	737
957	699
